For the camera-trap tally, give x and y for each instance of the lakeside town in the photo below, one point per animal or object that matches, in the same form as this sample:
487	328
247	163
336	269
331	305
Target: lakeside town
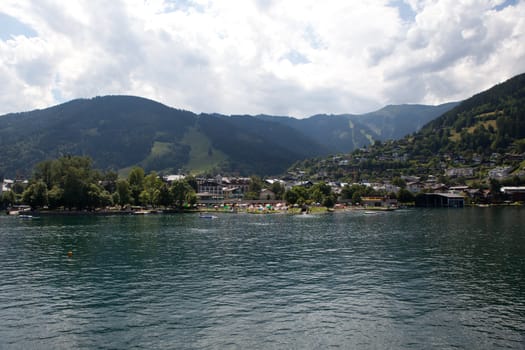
294	192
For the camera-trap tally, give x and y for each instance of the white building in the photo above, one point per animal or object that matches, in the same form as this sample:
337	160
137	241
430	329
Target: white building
6	185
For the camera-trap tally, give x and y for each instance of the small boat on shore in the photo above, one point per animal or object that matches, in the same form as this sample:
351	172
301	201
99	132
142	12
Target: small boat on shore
142	212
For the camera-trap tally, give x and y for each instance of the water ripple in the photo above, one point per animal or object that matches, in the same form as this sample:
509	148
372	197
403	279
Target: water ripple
402	280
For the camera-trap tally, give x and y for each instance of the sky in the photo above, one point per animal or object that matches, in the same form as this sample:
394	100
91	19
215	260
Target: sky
280	57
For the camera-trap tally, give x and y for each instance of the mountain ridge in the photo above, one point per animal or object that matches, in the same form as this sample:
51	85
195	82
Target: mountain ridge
121	131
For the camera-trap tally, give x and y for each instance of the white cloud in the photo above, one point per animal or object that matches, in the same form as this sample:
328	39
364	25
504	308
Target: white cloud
260	56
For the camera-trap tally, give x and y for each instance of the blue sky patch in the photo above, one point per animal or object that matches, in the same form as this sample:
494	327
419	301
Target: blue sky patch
10	27
505	4
295	57
405	11
184	5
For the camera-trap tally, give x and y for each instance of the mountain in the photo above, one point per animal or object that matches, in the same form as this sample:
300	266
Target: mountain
478	134
119	132
396	121
345	132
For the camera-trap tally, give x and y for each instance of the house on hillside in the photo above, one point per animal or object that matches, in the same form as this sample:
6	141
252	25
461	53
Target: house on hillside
306	184
458	189
409	178
415	186
460	172
439	188
500	173
514	157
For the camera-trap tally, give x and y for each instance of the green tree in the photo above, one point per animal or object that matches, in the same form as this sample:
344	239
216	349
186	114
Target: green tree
75	188
297	195
322	193
55	195
278	189
136	183
36	195
109	181
71	175
192	181
8	198
399	182
356	197
254	188
304	194
291	197
124	192
191	198
97	197
18	188
165	198
46	172
151	192
115	198
106	199
405	196
329	201
355	192
145	198
181	193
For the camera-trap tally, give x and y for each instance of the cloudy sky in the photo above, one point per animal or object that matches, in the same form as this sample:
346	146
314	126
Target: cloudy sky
281	57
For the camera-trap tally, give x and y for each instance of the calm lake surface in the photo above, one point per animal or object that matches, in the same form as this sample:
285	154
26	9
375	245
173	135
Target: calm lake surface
409	279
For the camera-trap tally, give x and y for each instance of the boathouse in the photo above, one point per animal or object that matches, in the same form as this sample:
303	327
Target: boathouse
440	200
514	193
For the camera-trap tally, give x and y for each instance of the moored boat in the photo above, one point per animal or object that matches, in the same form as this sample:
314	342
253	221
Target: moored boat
208	216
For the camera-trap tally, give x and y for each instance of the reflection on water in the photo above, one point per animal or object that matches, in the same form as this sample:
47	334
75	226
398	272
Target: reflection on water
400	280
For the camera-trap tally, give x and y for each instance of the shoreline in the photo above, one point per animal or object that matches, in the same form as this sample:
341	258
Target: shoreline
221	210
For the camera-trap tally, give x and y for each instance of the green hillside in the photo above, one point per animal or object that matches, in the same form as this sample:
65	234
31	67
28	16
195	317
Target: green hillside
257	146
118	132
491	121
481	133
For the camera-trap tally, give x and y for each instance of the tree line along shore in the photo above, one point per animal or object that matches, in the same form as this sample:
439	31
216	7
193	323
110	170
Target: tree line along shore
70	184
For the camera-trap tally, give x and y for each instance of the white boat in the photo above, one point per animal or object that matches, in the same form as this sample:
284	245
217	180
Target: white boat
142	212
208	216
25	216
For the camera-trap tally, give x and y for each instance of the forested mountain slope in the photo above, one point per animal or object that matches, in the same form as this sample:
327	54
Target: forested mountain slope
119	132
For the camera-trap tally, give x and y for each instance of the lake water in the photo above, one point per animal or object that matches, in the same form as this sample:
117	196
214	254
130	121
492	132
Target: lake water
409	279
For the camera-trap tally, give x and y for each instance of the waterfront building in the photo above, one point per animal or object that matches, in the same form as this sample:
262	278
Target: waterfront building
440	200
